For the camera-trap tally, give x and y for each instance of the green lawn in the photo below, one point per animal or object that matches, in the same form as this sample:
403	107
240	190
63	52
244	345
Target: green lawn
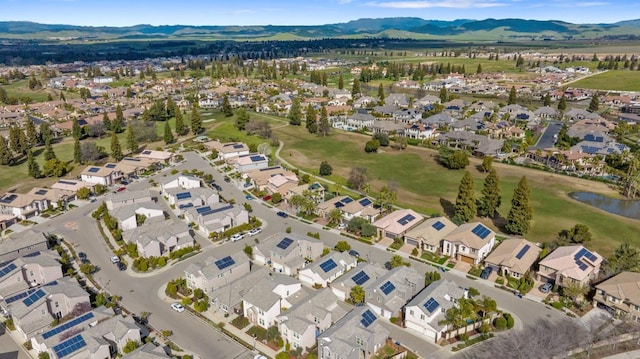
620	80
20	89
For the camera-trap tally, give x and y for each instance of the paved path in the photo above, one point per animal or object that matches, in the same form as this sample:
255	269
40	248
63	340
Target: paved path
635	354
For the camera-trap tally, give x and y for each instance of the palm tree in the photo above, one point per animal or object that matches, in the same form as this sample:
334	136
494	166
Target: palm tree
335	216
453	317
487	306
467	311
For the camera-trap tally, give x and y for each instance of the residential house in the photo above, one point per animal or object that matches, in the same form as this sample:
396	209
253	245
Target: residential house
264	302
350	208
228	298
389	293
620	294
159	239
469	243
428	235
387	127
407	116
314	190
363	274
51	197
125	198
358	335
419	131
327	269
105	175
32	270
425	313
217	218
182	199
365	102
301	324
183	181
20	244
397	223
148	351
214	273
260	178
163	157
250	162
513	257
227	151
132	215
287	252
397	99
20	205
72	185
439	120
282	183
570	265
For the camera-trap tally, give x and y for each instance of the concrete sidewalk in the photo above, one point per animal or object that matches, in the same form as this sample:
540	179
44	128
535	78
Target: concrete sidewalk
635	354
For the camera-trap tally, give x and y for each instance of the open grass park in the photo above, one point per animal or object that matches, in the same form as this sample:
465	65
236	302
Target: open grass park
611	81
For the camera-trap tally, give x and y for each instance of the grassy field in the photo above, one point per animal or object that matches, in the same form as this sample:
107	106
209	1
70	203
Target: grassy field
429	188
21	88
620	80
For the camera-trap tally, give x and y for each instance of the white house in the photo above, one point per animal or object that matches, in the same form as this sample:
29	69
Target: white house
469	243
327	269
388	294
184	181
250	162
363	274
127	216
287	252
264	302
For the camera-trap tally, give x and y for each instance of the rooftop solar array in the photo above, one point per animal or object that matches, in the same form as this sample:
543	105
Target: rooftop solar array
328	265
387	288
110	165
221	209
285	243
365	202
6	270
360	278
238	146
586	254
34	297
67	182
256	158
31	255
347	200
431	305
406	219
9	198
203	209
367	318
185	205
523	251
225	262
19	296
438	225
183	195
64	326
41	192
69	346
481	231
146	152
94	169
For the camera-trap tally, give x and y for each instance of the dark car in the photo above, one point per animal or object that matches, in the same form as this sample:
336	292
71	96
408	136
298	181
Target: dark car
282	214
354	253
82	255
227	179
122	266
216	186
486	273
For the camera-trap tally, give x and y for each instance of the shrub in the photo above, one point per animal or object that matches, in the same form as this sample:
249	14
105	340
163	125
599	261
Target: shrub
500	323
393	320
473	292
371	146
500	281
557	305
510	321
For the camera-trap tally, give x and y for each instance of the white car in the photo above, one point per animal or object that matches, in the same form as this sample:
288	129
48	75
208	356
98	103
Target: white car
341	226
177	307
255	231
236	237
115	259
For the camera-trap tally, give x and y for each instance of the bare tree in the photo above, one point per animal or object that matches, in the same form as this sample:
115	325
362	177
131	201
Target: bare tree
357	177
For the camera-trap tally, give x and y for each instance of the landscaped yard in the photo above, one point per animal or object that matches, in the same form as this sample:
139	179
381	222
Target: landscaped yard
432	257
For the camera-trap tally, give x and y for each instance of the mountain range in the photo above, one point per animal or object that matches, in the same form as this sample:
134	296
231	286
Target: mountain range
401	27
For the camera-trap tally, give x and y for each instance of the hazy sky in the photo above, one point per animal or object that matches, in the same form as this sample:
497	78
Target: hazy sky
305	12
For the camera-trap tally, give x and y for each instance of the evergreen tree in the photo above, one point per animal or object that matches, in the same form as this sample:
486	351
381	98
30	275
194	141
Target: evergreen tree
106	122
546	101
132	140
340	82
22	140
116	150
594	104
14	139
562	104
381	93
62	98
48	150
196	121
168	136
479	69
32	135
295	114
443	95
242	118
513	96
311	119
490	200
45	132
77	152
180	127
32	166
323	125
3	95
5	152
520	215
226	106
465	208
356	87
76	130
118	124
171	107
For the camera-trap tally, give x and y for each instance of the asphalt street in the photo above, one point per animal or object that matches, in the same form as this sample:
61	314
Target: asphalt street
548	138
141	293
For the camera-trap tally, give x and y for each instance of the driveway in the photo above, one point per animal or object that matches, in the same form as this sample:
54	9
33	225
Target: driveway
548	138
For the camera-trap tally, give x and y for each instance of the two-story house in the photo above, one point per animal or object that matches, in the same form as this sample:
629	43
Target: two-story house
125	198
621	294
469	243
213	273
363	274
262	303
287	252
569	265
159	239
327	269
30	271
428	235
389	293
397	223
513	257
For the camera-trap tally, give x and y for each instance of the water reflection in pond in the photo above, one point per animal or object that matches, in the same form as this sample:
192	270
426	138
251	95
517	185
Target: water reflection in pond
624	207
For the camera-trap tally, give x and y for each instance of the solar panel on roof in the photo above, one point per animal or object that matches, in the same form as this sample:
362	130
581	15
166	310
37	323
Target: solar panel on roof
256	158
590	256
183	195
365	202
110	165
360	278
146	152
406	219
34	254
203	209
94	169
387	288
285	243
431	305
347	200
41	192
481	231
328	265
339	204
69	346
67	182
237	146
523	251
438	225
582	266
367	318
225	262
185	205
33	297
580	253
221	209
62	327
6	270
9	198
19	296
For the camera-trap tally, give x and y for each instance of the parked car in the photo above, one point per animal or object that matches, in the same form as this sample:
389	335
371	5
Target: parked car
282	214
121	189
254	231
115	259
217	187
124	182
122	266
266	198
354	253
341	226
227	179
236	237
177	307
486	273
546	288
82	255
248	197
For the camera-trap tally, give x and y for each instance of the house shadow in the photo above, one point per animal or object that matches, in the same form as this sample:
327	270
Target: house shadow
448	207
499	222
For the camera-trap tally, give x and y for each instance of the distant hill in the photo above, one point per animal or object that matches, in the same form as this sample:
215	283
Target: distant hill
407	27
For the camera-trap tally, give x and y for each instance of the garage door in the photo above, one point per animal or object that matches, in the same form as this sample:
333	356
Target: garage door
466	259
413	242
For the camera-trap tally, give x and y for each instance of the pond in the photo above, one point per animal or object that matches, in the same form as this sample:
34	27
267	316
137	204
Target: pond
623	207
